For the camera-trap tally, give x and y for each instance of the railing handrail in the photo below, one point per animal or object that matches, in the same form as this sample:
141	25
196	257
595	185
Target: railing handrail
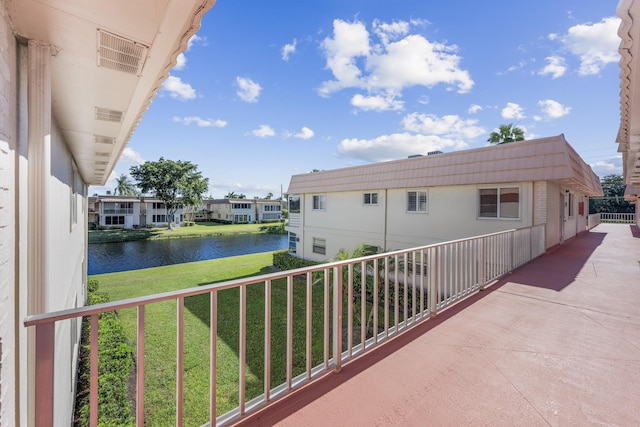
54	316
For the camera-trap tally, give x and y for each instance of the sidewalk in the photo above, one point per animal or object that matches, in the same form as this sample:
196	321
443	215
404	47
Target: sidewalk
557	342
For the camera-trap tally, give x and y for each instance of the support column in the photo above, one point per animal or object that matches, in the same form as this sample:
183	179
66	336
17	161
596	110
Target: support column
38	127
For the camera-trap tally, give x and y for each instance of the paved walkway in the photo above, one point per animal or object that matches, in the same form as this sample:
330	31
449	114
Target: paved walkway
555	343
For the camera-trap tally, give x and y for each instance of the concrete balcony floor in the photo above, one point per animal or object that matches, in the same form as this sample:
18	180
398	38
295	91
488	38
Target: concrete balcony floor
557	342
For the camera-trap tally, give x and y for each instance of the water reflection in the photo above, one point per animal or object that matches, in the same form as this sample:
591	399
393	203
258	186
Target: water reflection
112	257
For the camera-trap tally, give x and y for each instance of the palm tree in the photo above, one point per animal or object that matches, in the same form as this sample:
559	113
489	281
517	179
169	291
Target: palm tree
507	133
124	186
231	195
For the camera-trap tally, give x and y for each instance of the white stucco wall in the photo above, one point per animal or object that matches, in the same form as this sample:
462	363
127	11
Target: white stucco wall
66	265
452	213
8	241
553	228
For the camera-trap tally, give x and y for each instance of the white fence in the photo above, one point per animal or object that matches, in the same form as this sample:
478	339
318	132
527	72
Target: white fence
367	300
617	218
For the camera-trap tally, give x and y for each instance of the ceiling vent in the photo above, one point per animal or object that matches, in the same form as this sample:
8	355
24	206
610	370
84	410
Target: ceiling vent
120	54
109	115
102	154
100	139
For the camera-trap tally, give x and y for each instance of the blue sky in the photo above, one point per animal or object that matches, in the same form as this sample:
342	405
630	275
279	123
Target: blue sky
267	90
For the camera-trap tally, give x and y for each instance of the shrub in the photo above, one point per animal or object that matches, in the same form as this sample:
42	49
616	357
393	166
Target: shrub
114	365
283	260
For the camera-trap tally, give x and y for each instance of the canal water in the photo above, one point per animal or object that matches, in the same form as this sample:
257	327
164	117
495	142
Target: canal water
112	257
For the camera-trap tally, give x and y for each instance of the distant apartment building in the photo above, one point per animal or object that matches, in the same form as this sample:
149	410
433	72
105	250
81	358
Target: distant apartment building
238	211
131	212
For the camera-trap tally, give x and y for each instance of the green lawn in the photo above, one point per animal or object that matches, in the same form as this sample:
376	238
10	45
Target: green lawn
160	337
200	229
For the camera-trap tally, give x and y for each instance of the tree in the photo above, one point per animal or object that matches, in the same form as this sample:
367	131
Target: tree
174	182
269	196
231	195
507	133
124	186
613	187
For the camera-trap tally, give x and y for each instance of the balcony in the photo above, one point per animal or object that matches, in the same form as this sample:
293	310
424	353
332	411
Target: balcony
504	341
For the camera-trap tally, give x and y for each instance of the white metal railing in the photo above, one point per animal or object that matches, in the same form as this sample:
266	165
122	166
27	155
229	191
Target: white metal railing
396	291
617	218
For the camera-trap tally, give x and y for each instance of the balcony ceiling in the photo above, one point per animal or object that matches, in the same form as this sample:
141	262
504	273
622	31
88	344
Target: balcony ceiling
629	133
109	60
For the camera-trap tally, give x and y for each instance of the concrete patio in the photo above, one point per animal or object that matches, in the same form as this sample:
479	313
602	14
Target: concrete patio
557	342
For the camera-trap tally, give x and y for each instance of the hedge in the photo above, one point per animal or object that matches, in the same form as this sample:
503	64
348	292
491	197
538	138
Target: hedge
114	365
283	260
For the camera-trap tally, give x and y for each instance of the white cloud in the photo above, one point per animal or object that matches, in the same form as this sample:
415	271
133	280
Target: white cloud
248	90
200	121
178	89
289	49
474	108
607	167
181	61
451	126
555	67
551	110
263	131
595	44
376	103
398	61
129	155
305	133
396	146
512	111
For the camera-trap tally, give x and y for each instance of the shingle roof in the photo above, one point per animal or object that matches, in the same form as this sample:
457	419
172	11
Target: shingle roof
545	159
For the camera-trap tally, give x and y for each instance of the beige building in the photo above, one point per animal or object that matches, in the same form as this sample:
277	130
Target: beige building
76	77
239	211
132	212
628	137
435	198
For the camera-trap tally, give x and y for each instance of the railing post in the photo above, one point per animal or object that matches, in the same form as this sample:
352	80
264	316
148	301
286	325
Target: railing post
482	277
337	318
44	374
433	282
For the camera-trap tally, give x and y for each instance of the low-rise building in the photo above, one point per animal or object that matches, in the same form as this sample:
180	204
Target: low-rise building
445	196
133	212
239	211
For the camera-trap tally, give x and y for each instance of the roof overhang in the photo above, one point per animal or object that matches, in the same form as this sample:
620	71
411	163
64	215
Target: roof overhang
110	59
628	138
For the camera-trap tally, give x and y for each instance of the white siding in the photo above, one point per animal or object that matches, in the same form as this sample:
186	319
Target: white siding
554	215
452	213
8	241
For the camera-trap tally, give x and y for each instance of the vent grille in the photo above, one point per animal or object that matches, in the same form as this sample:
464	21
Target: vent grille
109	115
102	154
100	162
100	139
120	54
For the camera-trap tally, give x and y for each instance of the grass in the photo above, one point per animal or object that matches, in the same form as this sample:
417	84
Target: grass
160	336
200	229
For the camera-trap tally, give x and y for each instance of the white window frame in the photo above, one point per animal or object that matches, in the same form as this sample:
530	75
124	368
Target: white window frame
319	202
371	202
571	212
498	213
418	194
319	246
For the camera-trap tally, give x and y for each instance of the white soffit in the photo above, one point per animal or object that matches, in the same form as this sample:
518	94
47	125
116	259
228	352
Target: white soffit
110	58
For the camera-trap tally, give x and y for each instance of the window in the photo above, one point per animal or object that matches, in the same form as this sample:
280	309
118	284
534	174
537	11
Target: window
293	243
157	205
417	201
241	219
319	246
500	203
319	202
570	201
272	208
294	204
114	220
159	218
370	198
241	206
